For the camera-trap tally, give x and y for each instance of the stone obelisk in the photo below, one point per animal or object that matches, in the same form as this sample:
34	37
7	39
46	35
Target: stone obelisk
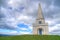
40	27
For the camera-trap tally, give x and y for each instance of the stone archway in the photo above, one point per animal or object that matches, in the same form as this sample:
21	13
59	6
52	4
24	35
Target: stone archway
40	31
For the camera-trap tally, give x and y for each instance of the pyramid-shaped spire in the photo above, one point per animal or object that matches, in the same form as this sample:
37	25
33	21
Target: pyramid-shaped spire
40	15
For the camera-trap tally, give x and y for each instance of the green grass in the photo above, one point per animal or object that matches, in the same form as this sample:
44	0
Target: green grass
31	37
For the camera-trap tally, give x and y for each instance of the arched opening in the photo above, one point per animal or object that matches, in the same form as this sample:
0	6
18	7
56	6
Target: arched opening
40	31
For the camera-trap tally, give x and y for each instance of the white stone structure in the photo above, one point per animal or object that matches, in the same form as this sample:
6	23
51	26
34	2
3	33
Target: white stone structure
40	27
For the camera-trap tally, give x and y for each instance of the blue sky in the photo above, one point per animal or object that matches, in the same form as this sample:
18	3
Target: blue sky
17	16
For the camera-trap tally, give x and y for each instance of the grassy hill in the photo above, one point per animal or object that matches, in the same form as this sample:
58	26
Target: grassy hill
31	37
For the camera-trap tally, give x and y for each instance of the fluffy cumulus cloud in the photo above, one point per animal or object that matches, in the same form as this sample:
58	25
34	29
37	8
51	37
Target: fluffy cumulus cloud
17	16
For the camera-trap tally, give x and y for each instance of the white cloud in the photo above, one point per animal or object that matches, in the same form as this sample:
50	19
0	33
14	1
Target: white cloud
14	3
54	28
22	17
13	32
23	29
9	32
50	22
25	32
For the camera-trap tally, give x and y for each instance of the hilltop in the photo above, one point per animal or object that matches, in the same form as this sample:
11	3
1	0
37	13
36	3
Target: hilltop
31	37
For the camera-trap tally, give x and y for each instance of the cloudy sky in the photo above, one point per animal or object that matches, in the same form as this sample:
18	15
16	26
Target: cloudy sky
17	16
